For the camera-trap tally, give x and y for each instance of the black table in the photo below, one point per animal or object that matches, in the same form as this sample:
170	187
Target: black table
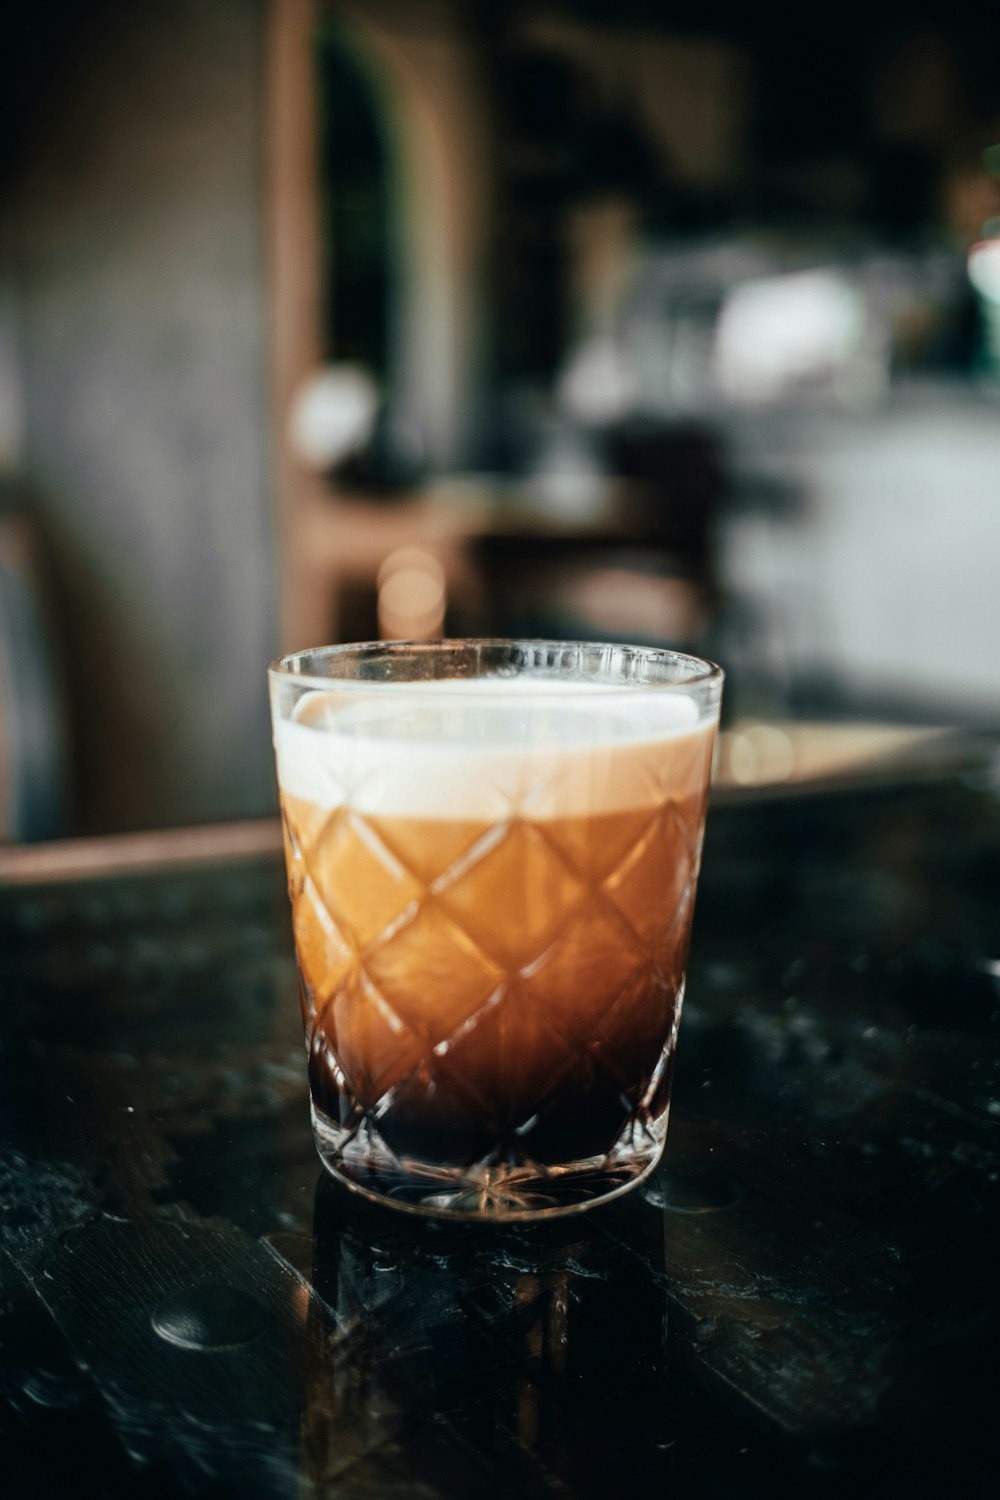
801	1301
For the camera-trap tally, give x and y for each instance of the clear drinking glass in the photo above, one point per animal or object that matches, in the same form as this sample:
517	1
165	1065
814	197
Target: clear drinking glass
492	853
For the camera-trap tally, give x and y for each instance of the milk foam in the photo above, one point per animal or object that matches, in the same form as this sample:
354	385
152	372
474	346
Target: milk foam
491	747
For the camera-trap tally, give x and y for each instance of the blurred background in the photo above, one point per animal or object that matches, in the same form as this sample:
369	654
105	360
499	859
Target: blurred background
587	318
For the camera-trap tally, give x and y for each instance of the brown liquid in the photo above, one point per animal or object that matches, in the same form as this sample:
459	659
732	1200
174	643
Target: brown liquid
505	989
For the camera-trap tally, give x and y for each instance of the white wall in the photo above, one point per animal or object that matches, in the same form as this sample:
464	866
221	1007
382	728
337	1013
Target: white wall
887	577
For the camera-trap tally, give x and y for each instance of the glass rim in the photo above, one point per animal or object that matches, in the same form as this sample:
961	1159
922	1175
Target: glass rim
703	674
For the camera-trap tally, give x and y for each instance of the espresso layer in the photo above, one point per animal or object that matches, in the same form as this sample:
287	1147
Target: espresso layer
468	981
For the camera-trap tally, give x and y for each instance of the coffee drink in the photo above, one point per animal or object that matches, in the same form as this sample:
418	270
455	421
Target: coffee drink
492	885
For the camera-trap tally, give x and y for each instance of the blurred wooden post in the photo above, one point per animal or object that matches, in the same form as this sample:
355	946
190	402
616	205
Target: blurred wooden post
295	288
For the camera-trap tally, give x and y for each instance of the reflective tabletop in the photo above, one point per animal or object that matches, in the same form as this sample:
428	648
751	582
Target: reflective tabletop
801	1300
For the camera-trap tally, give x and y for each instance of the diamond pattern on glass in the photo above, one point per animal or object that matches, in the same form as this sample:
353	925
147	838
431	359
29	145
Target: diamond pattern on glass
431	973
514	896
670	944
374	1047
653	876
366	885
595	857
325	955
511	1056
628	1036
584	971
427	848
482	991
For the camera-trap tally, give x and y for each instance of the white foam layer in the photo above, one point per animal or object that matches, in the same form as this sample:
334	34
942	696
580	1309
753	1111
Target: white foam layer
489	748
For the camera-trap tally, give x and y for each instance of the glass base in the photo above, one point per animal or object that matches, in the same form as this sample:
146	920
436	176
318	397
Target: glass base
487	1193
